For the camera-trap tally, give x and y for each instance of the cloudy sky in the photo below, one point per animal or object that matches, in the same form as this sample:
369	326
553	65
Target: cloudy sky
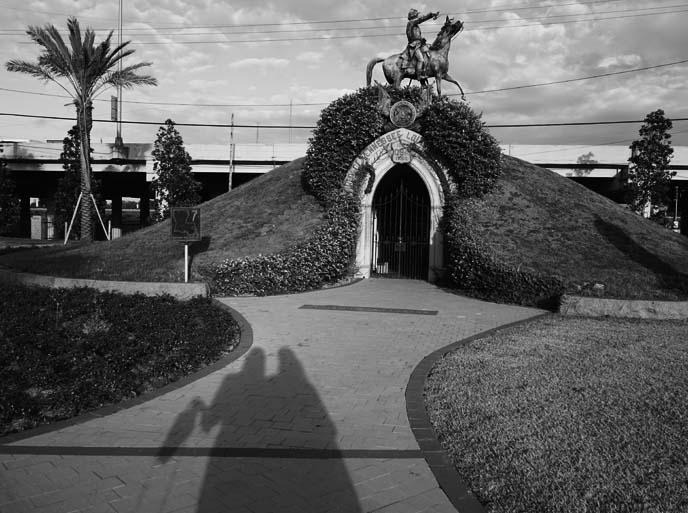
252	58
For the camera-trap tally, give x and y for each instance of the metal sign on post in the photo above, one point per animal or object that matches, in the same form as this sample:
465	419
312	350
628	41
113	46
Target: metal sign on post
186	227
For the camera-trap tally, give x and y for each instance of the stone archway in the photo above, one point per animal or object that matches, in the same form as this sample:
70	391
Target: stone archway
401	146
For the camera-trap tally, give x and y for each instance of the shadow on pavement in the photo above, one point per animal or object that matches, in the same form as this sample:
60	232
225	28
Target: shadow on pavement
276	449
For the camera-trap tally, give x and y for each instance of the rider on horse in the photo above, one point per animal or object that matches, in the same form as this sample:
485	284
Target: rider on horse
417	49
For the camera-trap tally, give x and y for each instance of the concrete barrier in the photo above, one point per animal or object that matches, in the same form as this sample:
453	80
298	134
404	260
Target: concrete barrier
637	309
178	290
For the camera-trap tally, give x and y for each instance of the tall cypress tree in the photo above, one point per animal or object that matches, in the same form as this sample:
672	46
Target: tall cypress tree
173	185
648	175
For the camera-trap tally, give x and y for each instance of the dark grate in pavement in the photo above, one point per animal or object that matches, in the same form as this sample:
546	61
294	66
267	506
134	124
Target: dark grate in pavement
374	309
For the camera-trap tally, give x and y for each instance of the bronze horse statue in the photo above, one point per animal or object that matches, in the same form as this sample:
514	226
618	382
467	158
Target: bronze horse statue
437	65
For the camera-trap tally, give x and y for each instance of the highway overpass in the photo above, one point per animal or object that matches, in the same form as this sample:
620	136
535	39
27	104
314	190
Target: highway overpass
36	168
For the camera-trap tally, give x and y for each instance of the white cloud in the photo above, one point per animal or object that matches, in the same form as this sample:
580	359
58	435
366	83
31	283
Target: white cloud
310	57
180	38
624	61
262	63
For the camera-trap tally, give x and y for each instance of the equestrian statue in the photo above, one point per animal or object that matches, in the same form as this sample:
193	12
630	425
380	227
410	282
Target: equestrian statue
420	61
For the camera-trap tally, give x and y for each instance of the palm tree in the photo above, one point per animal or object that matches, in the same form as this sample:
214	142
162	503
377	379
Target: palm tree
83	69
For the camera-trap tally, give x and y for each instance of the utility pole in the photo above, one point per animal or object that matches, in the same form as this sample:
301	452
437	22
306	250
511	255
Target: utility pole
290	114
231	153
119	143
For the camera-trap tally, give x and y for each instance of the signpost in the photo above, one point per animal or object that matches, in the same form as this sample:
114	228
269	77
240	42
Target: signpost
186	227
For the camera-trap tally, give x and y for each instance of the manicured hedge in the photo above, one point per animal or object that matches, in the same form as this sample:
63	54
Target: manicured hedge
66	351
324	258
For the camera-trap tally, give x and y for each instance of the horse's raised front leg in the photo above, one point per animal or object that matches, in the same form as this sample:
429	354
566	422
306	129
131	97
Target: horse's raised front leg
438	85
448	78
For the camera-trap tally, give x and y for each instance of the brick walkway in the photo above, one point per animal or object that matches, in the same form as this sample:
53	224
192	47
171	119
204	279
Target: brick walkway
311	419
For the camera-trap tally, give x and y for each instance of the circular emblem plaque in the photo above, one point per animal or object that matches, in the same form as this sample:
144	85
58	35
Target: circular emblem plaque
402	114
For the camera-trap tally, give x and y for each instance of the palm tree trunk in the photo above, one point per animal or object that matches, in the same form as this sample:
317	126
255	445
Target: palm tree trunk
85	122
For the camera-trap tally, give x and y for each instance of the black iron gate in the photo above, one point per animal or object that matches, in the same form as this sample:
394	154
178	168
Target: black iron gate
401	233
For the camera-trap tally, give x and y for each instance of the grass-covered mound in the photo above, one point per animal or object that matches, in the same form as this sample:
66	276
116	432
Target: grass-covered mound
513	232
265	215
568	415
64	352
535	219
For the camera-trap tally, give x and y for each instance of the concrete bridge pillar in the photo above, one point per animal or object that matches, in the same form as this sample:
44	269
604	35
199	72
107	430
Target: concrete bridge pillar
116	215
144	206
25	215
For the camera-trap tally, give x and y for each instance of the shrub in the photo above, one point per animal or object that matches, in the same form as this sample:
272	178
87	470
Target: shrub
456	137
344	129
67	351
323	258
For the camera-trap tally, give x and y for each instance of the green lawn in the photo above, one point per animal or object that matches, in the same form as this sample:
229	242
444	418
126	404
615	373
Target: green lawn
569	415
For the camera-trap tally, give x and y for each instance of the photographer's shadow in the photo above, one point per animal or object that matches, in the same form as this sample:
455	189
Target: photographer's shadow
276	448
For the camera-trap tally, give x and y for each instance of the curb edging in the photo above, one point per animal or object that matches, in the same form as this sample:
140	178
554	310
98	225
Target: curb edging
436	457
624	308
181	291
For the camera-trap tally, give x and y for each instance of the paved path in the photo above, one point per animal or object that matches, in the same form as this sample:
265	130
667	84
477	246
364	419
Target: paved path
311	419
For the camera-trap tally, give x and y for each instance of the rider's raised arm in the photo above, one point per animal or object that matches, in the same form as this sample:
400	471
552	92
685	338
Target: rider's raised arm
426	17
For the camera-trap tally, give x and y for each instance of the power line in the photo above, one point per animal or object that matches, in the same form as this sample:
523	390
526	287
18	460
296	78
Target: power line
511	88
235	125
334	37
205	125
318	22
601	75
582	123
529	18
